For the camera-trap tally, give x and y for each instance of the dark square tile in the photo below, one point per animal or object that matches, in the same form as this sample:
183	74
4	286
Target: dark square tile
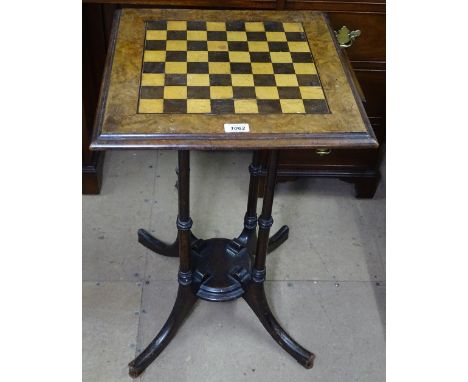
241	68
237	26
295	36
264	80
175	79
299	57
278	46
256	36
217	36
220	80
308	80
174	56
240	92
269	106
155	45
273	26
238	46
197	45
175	106
196	25
222	106
315	106
289	92
177	35
260	57
151	92
198	92
197	67
218	56
153	67
156	25
283	68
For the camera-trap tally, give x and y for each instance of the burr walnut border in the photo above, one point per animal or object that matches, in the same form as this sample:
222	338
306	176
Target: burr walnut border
119	126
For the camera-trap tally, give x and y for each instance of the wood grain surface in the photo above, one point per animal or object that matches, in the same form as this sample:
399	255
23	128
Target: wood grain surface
118	125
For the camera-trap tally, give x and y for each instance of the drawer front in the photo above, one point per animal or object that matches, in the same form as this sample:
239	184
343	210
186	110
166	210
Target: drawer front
368	17
308	159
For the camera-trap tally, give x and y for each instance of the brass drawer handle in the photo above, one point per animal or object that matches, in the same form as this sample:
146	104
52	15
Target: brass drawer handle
346	37
322	151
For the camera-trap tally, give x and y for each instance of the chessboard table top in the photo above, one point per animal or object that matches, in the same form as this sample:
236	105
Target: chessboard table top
227	80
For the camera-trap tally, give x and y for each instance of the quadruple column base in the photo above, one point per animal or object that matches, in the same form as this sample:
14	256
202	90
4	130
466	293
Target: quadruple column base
222	270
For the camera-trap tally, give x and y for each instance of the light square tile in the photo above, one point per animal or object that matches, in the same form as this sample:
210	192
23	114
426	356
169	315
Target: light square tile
197	35
242	80
293	27
239	57
254	27
198	79
215	26
262	68
198	106
175	92
258	46
150	106
217	46
156	35
152	79
286	80
292	106
176	68
221	92
298	46
245	106
177	25
176	45
281	57
311	92
197	56
154	56
219	68
266	92
276	36
305	68
236	36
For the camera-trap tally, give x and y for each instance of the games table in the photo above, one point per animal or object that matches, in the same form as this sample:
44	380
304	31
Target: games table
226	80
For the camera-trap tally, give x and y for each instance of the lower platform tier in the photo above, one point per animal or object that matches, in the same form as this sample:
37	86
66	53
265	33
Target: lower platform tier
220	266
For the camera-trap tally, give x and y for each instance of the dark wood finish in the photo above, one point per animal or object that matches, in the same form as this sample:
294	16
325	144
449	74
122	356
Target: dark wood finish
183	305
367	57
160	247
94	54
266	220
255	297
92	161
223	269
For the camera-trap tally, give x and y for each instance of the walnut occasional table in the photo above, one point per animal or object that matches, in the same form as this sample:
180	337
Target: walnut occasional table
225	80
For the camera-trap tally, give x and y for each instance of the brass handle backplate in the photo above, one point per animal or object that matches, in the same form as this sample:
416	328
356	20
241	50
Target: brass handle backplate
346	37
322	151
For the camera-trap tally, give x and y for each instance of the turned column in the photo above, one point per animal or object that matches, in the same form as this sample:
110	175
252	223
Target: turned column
184	222
265	221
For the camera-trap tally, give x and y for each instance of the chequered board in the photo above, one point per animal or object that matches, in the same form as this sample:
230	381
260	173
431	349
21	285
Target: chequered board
229	68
